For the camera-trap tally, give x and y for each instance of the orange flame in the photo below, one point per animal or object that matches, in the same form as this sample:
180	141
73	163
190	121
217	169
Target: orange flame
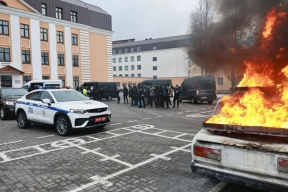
254	108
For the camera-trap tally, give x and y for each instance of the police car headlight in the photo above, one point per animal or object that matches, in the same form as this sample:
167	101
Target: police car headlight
80	111
9	103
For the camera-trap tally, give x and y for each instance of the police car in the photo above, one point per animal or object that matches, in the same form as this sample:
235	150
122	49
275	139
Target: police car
66	109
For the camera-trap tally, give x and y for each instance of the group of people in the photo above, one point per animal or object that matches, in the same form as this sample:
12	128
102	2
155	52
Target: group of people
96	94
158	96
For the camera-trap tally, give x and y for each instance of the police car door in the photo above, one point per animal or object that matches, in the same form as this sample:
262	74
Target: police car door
32	105
47	114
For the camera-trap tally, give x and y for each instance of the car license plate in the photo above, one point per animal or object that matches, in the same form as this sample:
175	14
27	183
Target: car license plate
204	97
97	120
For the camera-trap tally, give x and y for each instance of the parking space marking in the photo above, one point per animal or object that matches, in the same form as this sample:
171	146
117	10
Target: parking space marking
12	142
45	136
180	135
132	121
146	119
158	116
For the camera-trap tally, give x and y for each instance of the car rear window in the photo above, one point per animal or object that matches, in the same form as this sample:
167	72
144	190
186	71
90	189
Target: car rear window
207	84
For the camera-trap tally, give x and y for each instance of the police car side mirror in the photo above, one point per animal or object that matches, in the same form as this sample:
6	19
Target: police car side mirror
46	101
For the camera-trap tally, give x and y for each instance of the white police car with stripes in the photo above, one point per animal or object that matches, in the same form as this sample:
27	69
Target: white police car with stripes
66	109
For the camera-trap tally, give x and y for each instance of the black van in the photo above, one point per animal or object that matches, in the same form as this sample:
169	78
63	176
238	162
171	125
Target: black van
109	88
199	88
155	82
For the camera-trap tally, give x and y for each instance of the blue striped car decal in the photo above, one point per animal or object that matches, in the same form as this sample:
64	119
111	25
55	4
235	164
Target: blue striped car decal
42	106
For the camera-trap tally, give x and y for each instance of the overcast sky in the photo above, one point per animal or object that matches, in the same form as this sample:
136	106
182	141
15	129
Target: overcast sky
142	19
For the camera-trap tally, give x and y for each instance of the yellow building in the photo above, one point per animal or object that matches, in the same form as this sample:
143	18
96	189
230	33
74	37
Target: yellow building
54	39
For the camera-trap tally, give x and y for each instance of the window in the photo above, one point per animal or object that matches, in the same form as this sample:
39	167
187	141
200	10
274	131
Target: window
132	75
138	49
59	13
25	56
46	95
63	80
138	67
75	60
154	48
126	50
155	77
74	16
132	67
74	39
126	59
4	27
154	58
4	55
44	9
114	60
35	96
126	68
43	34
120	68
76	81
114	68
119	51
154	68
126	75
60	37
220	80
132	58
24	31
132	50
120	75
61	59
138	58
44	58
139	75
114	75
114	52
120	60
45	77
26	79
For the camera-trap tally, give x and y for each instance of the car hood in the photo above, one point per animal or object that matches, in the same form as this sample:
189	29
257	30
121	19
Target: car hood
86	105
12	99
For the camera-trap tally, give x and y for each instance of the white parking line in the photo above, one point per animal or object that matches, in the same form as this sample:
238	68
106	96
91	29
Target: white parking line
10	142
158	116
45	136
146	119
132	121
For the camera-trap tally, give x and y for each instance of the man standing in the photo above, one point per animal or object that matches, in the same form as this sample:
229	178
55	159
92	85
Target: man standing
141	97
152	96
131	95
117	95
165	96
170	93
125	94
135	96
176	96
85	91
157	96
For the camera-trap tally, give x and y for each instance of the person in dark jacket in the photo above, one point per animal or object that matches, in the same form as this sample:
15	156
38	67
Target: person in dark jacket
141	97
152	96
131	95
135	96
147	95
176	96
118	96
165	96
125	95
157	96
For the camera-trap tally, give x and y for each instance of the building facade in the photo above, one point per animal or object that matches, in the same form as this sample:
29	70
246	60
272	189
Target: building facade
54	39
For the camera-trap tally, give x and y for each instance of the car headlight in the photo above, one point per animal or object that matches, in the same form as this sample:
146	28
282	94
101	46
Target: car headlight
9	103
80	111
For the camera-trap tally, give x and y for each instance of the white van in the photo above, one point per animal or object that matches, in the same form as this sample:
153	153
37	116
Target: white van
37	84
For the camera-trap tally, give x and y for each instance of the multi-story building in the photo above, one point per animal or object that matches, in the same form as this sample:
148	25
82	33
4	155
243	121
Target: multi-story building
54	39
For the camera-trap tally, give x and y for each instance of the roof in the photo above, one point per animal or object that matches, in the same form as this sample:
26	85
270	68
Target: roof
86	5
10	69
151	41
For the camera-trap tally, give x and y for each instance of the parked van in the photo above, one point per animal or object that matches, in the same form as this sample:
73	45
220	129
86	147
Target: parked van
109	88
155	82
37	84
199	88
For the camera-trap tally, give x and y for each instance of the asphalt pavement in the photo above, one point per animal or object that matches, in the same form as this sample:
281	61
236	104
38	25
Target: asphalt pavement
141	150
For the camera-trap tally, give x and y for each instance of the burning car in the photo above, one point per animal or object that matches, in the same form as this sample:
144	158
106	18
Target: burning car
246	140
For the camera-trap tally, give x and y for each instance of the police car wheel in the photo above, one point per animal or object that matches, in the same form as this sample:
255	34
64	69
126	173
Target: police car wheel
3	114
63	126
22	120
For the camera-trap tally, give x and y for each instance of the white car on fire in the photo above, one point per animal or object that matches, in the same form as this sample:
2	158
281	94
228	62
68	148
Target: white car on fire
66	109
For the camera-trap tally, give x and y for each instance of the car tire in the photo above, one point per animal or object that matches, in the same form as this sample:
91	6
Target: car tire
22	120
63	126
193	101
210	102
109	98
3	114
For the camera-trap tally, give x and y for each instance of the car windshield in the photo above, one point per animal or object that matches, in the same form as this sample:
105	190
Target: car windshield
207	84
66	96
14	92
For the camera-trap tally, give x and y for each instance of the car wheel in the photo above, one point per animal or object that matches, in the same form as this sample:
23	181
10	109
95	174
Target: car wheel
3	114
22	120
63	126
210	102
193	101
109	98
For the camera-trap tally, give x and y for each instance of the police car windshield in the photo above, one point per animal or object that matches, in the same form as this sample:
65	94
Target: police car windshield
14	92
66	96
